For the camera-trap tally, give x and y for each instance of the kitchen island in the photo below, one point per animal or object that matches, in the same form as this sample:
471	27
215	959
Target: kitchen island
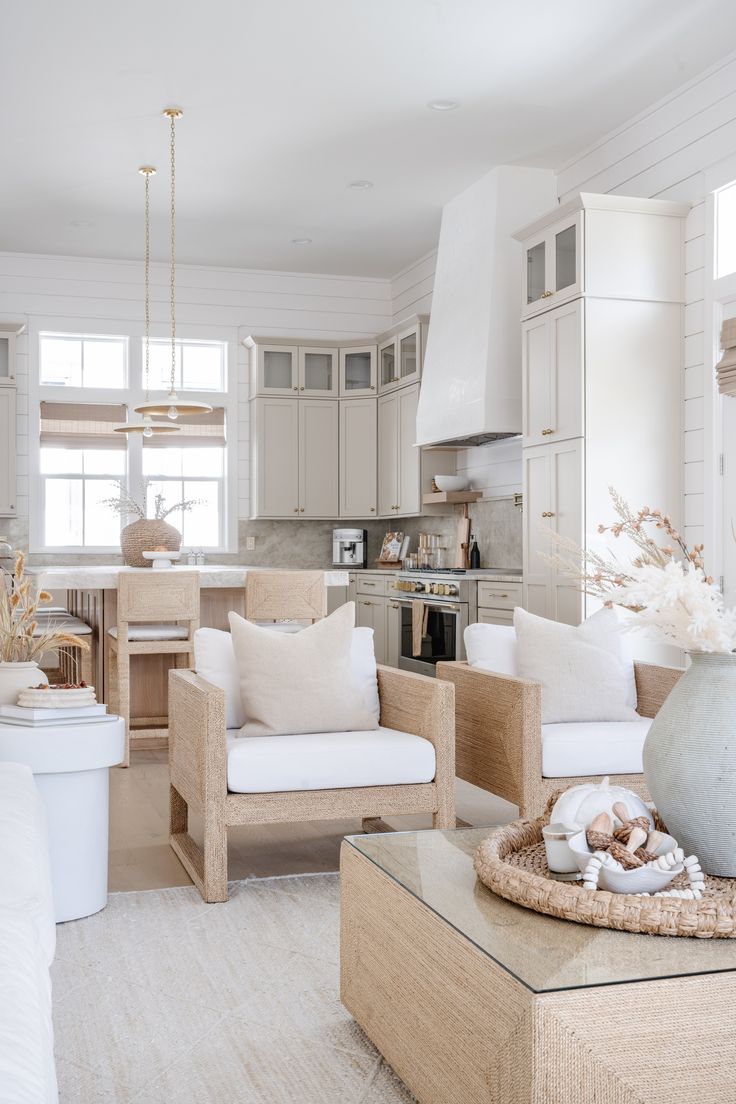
91	594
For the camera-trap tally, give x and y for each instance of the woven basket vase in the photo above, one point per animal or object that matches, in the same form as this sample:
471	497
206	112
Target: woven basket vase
146	536
690	762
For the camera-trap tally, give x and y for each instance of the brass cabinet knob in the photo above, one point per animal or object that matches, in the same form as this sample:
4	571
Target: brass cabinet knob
373	509
548	513
301	510
373	387
296	509
546	294
302	387
546	432
295	389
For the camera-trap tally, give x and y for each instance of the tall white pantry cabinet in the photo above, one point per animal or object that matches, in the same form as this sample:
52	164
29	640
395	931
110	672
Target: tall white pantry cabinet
602	303
9	331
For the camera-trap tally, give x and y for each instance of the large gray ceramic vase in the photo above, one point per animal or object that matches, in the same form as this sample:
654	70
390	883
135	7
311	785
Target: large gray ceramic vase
690	762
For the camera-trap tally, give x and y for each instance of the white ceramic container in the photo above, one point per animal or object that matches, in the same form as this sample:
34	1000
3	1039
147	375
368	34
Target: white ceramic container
644	879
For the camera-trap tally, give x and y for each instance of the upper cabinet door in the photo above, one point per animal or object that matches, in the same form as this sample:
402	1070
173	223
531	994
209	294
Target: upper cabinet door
358	457
275	456
358	371
318	373
410	496
553	375
553	269
388	368
388	455
409	348
277	370
318	451
7	359
7	452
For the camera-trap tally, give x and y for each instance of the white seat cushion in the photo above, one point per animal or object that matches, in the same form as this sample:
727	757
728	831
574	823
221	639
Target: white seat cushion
154	632
588	747
327	761
25	872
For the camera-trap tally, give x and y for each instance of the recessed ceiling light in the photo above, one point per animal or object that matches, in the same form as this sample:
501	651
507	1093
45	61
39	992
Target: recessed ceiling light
443	105
360	185
301	241
81	223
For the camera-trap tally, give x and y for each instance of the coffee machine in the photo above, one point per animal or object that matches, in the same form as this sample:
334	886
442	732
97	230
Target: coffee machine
350	547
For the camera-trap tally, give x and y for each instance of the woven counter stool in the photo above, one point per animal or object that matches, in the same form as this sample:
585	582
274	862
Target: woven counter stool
281	599
158	614
75	664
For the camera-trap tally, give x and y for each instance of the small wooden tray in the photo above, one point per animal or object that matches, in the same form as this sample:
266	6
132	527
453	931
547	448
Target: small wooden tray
512	862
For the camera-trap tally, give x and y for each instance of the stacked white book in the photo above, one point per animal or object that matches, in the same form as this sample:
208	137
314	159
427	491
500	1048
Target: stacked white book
34	717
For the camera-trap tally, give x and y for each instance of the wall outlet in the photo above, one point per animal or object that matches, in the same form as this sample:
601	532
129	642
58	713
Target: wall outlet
250	544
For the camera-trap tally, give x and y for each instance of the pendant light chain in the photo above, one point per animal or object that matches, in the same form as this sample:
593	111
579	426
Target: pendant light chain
172	152
147	276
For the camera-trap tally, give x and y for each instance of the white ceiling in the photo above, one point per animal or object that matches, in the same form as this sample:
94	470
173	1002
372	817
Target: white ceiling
286	101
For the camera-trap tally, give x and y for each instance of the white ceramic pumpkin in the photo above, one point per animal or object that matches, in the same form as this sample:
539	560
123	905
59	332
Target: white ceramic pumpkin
576	807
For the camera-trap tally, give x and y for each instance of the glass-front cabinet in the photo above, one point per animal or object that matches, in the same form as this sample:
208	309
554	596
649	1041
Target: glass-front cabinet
318	373
400	359
553	265
358	371
276	370
9	331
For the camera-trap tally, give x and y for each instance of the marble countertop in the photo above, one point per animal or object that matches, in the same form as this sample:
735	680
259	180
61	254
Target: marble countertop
106	578
482	575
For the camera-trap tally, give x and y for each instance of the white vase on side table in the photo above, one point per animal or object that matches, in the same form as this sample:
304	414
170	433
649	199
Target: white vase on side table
70	764
15	677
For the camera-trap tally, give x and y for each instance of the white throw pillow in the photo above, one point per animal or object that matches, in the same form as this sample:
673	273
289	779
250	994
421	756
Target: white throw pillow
491	648
214	660
586	671
294	683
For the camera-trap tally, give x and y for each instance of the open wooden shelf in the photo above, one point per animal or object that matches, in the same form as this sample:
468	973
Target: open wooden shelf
436	497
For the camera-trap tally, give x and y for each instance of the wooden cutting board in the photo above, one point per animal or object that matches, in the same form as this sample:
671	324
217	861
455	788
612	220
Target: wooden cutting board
462	539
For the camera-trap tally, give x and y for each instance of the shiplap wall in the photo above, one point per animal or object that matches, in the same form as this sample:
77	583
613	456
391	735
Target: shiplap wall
211	302
664	153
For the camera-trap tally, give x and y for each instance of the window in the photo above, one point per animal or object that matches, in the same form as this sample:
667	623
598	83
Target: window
191	469
77	360
88	382
80	458
200	365
725	251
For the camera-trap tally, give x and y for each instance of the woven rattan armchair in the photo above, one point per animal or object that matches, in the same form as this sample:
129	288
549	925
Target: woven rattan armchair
198	771
498	732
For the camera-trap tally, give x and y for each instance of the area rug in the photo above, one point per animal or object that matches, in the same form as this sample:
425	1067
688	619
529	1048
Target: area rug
163	999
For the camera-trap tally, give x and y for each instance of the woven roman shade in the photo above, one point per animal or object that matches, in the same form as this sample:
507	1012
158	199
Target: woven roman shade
74	425
726	366
196	431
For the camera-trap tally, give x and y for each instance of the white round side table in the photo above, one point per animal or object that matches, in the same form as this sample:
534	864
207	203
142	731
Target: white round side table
70	764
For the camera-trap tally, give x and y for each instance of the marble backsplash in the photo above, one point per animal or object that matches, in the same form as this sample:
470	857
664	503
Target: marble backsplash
308	544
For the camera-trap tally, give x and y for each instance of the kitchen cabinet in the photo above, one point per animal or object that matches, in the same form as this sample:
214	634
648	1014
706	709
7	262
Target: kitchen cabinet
608	246
294	458
358	457
275	457
496	602
552	375
600	390
371	613
358	371
274	369
318	449
318	374
7	451
553	503
553	263
9	332
399	490
400	354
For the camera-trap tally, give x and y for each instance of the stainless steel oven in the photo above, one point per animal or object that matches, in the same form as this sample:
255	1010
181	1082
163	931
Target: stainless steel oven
431	632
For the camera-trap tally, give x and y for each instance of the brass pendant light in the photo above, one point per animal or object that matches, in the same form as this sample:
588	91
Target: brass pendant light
146	426
172	406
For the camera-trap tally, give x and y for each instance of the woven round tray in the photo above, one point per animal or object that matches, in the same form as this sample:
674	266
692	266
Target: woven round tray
512	862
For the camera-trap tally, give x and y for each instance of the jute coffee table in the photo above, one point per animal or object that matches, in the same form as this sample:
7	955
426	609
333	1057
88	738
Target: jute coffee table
473	999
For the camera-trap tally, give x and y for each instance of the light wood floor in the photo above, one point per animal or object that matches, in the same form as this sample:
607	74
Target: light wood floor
140	856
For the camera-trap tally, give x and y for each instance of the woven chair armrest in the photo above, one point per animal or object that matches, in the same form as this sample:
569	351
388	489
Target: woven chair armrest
498	720
197	740
418	704
653	685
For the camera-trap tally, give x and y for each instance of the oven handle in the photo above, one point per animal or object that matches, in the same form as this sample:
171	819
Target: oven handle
431	605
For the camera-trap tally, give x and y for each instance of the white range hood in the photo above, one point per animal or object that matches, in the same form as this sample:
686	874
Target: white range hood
471	380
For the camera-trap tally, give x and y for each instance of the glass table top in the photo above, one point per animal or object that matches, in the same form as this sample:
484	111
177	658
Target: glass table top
543	953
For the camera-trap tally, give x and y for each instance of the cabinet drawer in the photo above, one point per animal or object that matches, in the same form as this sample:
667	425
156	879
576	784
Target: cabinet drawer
499	596
495	617
374	584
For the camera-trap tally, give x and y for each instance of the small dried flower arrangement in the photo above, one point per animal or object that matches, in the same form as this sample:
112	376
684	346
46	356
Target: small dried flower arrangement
666	585
19	642
125	503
